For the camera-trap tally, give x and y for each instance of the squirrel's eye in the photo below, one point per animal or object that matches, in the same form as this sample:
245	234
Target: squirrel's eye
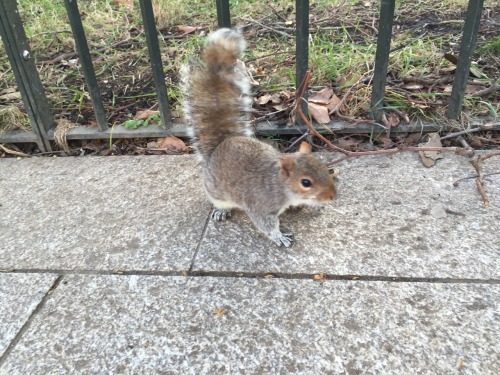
306	183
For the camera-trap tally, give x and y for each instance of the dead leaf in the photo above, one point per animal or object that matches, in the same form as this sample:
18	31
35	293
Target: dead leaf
448	88
474	70
263	100
392	119
322	97
319	276
172	144
384	142
348	143
471	89
413	86
460	363
220	311
278	107
124	3
144	115
419	105
319	113
268	276
11	96
451	58
187	29
8	90
333	104
429	157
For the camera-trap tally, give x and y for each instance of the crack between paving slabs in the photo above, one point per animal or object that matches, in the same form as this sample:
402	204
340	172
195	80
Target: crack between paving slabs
28	321
263	275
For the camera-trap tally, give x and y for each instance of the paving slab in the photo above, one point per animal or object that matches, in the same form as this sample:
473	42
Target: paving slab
127	212
19	296
393	217
179	325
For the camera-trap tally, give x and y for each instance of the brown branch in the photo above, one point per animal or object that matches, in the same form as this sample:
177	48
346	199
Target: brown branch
17	153
487	91
480	180
117	110
467	131
475	176
487	156
330	145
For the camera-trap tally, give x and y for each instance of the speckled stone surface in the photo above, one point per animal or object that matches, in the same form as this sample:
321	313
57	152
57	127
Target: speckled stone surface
101	212
19	296
393	217
145	324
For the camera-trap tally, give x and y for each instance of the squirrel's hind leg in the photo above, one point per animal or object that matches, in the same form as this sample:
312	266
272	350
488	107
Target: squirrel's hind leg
270	226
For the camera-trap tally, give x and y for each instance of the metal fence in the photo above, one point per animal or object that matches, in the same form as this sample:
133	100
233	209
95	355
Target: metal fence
41	119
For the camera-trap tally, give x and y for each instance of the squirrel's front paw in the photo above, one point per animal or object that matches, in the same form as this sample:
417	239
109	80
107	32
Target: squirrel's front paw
285	239
220	215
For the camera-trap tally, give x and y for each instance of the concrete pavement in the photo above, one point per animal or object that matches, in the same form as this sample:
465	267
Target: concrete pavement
111	266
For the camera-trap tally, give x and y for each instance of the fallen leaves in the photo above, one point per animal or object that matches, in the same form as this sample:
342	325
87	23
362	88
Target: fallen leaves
9	94
124	3
319	277
144	115
188	29
220	311
172	145
429	158
322	103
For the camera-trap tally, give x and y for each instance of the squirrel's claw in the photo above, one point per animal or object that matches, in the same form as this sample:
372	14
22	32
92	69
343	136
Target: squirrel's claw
285	239
220	215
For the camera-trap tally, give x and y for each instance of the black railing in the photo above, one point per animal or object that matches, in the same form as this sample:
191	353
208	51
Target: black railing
42	123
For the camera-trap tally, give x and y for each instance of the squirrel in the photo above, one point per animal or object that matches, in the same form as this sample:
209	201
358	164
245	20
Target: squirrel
240	171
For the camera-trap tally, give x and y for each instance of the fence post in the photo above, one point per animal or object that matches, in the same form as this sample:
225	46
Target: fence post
148	19
86	62
467	45
27	78
382	57
223	14
301	53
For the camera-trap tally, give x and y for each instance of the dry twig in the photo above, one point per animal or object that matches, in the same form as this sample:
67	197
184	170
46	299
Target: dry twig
467	131
479	180
487	91
13	152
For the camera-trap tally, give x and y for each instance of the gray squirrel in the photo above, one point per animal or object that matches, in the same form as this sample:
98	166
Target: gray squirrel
240	171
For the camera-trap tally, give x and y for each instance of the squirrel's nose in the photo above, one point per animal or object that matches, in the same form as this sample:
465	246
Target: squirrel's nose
329	196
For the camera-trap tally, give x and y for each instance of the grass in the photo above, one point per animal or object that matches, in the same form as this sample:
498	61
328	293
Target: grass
342	49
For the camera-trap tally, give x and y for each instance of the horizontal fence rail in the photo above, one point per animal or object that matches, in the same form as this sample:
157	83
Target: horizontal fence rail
42	123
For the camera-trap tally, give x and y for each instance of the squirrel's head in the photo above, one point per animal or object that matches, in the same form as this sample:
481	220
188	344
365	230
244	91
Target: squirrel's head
307	177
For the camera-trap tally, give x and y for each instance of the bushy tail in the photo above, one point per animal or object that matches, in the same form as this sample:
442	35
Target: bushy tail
217	92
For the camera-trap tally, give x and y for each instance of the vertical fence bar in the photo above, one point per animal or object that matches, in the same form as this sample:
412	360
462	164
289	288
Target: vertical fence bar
27	78
467	46
86	62
223	15
302	51
382	57
148	19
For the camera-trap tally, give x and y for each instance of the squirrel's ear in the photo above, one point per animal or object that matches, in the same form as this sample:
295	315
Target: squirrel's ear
305	148
287	165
